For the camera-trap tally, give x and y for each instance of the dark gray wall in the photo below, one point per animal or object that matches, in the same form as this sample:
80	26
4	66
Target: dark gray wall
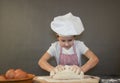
25	32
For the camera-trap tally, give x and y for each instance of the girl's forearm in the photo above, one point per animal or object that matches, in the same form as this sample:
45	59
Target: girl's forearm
46	66
90	64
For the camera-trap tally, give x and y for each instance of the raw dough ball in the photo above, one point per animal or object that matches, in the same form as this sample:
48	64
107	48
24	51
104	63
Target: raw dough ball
67	73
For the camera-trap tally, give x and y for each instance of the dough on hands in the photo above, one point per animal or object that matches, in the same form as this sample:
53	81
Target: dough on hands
67	73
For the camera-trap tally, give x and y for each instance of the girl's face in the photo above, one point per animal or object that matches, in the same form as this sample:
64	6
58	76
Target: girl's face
67	41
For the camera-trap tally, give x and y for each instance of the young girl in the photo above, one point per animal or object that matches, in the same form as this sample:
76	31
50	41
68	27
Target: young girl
67	50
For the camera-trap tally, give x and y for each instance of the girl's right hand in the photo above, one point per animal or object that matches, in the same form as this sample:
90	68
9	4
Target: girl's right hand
56	69
59	68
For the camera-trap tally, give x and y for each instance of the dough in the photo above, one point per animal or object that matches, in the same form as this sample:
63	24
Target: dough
67	74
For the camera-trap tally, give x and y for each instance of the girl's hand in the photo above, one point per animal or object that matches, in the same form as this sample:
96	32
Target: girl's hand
60	68
75	69
56	69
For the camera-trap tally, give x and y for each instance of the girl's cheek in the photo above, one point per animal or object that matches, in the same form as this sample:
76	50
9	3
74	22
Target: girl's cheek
61	44
71	43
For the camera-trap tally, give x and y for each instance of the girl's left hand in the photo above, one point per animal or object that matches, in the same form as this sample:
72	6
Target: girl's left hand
75	69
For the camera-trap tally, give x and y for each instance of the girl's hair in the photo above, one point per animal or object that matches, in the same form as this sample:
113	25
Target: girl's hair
58	35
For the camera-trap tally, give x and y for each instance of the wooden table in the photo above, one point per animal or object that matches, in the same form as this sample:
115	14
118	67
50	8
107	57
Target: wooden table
48	79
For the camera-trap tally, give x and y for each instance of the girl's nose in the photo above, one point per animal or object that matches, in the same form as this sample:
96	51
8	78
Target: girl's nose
66	44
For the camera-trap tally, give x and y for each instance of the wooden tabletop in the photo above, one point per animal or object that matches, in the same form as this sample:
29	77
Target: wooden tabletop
48	79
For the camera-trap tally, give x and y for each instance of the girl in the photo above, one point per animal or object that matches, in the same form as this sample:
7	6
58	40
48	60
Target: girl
67	50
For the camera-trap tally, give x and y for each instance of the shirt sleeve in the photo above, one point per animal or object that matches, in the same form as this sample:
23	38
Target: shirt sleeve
82	47
52	49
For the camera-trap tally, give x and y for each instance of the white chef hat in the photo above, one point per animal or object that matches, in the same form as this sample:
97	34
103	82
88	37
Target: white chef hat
67	25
